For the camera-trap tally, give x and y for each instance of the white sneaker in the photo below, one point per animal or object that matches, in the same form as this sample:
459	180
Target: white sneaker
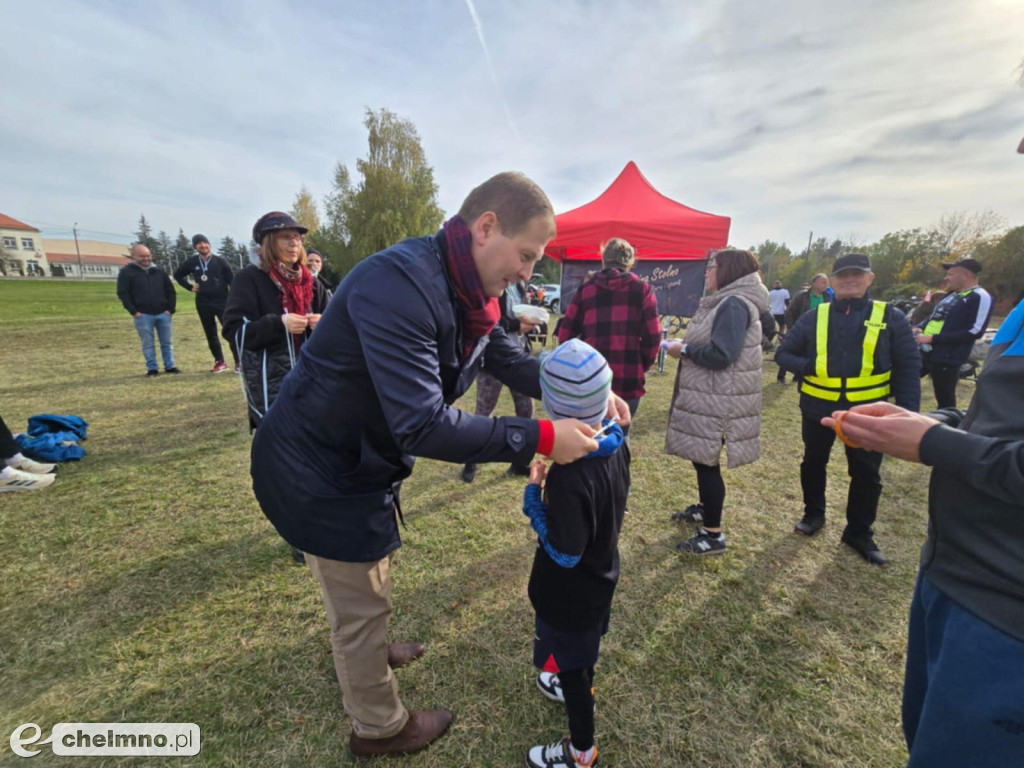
15	480
550	686
557	755
25	464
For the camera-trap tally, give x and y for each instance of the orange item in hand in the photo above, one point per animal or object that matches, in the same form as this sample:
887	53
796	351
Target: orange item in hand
838	419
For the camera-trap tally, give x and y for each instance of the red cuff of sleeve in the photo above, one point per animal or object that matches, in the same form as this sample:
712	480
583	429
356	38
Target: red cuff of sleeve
546	443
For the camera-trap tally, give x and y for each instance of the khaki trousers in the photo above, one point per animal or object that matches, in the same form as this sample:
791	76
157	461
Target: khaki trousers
358	601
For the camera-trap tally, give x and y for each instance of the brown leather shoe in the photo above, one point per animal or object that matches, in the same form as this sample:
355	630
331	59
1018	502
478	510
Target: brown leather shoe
400	654
424	726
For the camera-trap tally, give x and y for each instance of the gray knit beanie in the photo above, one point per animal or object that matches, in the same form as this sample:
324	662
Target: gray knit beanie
575	382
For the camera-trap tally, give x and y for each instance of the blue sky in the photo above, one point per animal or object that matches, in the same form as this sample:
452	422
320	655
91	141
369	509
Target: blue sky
850	119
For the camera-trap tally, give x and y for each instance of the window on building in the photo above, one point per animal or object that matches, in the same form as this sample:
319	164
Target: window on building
27	244
11	242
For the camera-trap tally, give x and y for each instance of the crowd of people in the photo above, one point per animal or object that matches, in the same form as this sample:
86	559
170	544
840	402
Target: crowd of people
411	328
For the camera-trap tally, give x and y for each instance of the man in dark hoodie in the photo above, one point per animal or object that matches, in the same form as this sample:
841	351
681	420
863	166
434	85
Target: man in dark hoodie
962	702
209	277
617	314
146	292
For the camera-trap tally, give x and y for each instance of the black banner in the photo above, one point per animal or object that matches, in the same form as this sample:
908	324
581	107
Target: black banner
677	283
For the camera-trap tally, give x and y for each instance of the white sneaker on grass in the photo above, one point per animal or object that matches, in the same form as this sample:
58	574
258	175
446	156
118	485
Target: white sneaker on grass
558	755
25	464
15	480
550	686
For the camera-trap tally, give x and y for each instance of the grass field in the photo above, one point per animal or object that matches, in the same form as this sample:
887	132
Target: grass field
146	586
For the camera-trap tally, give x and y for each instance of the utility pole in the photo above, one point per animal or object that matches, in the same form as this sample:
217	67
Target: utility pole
81	274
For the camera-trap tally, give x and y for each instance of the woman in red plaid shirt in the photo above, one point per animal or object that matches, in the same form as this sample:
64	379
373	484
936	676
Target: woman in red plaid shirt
617	314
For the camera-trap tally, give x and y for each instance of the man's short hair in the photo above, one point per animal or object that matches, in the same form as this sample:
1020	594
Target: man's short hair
515	199
819	276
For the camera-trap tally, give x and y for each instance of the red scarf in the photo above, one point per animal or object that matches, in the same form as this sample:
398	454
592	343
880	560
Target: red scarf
296	287
480	311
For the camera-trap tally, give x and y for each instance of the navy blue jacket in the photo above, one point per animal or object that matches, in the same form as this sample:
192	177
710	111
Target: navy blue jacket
966	316
975	548
373	388
896	351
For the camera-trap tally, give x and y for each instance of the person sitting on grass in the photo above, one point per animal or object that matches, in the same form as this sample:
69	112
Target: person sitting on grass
577	515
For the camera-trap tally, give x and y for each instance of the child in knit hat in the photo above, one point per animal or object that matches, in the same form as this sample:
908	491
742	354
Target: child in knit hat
577	515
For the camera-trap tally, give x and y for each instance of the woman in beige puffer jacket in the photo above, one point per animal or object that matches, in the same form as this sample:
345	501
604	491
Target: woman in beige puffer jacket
717	398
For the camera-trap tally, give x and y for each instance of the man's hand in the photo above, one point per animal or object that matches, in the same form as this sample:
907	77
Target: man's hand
526	326
618	407
195	287
674	349
312	320
294	323
885	428
923	338
572	440
137	314
167	311
538	471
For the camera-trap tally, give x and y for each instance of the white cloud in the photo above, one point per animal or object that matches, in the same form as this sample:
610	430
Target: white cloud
864	117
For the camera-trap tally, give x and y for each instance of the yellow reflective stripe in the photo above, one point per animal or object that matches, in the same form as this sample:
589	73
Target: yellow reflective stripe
821	362
868	394
874	326
868	381
821	394
825	381
934	327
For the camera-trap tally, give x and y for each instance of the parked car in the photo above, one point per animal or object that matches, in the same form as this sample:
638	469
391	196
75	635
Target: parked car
552	296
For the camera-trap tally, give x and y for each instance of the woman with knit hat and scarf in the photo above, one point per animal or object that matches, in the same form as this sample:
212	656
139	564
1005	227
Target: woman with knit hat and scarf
717	396
272	308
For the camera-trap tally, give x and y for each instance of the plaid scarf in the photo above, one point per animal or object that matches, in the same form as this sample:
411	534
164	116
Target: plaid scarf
480	312
296	287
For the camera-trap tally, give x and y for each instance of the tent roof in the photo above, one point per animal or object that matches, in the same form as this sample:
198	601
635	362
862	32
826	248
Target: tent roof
658	227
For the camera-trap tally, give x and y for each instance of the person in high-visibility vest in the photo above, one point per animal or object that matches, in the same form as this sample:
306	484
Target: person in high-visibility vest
849	352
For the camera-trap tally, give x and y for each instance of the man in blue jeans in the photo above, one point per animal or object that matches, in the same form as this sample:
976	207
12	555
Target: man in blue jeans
963	696
147	293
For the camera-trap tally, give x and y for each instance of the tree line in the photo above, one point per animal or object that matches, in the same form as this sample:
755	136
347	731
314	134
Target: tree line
909	262
168	254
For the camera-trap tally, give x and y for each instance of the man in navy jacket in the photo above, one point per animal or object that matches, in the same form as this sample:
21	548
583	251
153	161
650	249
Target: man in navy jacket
852	350
401	340
957	322
209	277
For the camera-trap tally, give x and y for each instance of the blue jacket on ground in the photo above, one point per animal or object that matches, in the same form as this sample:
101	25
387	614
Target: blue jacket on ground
896	351
372	388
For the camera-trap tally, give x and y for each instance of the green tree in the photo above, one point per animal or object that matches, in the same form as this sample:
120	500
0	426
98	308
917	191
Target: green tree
396	198
1003	260
163	255
304	210
144	234
182	248
227	250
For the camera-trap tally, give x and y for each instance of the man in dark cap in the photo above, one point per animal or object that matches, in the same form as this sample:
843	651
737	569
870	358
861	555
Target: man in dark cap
849	352
957	321
209	278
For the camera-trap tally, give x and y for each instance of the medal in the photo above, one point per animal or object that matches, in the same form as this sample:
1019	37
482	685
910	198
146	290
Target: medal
203	278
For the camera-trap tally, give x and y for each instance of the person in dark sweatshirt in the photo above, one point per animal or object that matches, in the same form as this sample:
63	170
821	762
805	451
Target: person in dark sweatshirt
147	294
962	695
209	277
577	516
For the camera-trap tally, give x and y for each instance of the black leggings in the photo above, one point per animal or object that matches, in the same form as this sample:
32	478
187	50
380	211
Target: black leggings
945	379
209	316
578	689
711	489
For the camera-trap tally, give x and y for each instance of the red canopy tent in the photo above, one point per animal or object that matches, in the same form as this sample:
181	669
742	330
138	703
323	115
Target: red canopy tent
659	228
